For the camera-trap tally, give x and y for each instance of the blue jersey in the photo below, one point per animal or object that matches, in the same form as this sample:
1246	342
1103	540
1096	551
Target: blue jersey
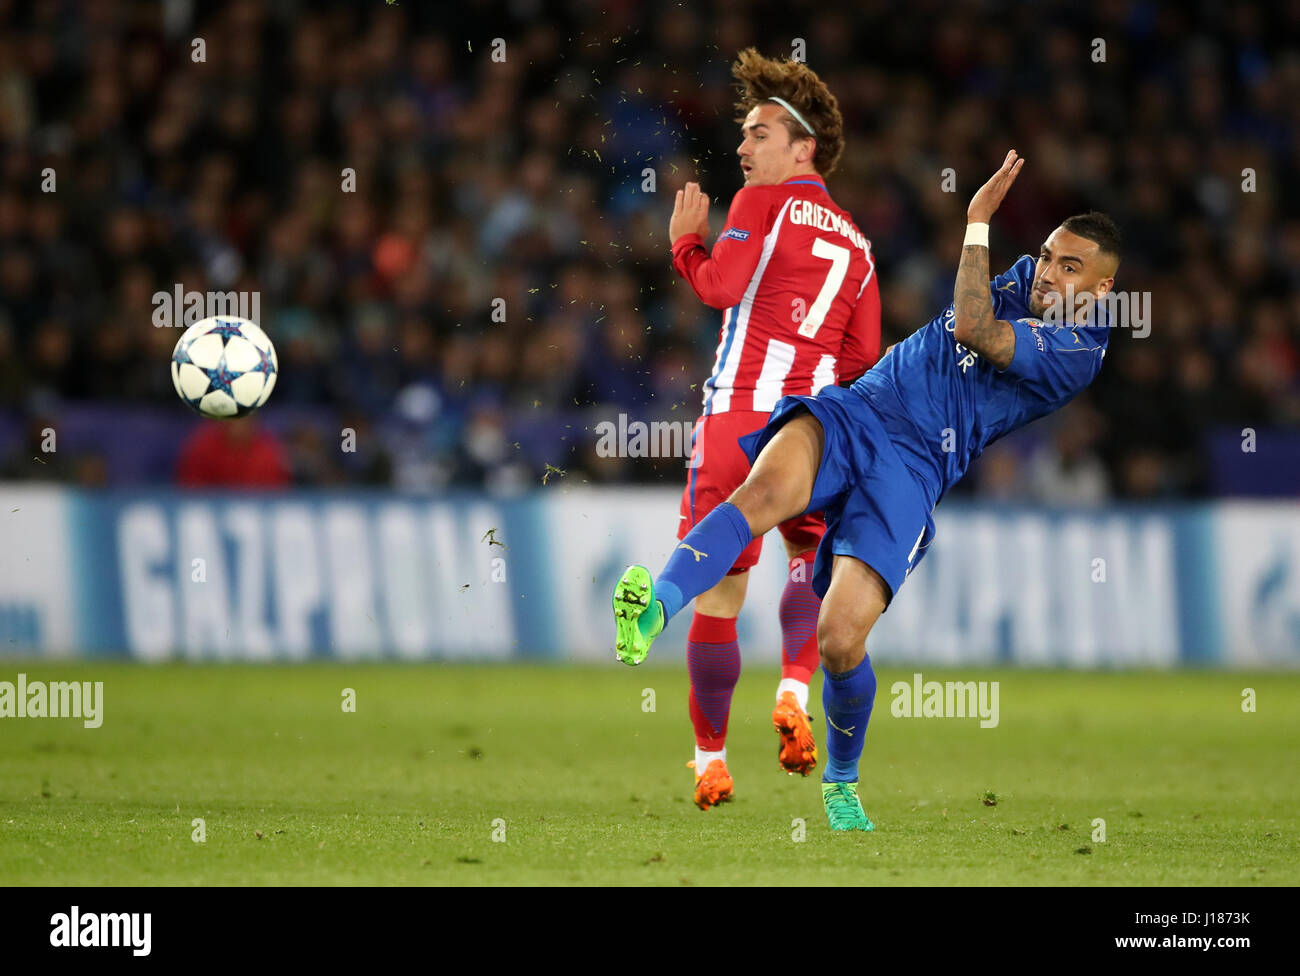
941	404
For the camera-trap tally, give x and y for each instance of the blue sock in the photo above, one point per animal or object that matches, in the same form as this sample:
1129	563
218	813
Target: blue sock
846	700
718	539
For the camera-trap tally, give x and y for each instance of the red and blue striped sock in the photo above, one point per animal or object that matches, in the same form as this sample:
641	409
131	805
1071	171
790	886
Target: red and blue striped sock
800	606
713	661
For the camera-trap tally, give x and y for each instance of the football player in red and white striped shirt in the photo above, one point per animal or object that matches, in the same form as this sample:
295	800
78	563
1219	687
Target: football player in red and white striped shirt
795	280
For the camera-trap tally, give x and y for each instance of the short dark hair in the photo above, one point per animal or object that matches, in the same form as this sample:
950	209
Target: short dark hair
1098	228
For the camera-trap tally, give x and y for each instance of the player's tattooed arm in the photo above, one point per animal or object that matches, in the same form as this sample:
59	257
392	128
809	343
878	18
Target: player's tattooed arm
974	324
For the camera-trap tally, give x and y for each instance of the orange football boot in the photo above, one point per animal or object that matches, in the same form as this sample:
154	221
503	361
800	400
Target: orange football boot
798	752
714	787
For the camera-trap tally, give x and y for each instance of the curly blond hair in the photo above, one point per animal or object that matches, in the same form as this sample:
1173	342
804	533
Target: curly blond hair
762	78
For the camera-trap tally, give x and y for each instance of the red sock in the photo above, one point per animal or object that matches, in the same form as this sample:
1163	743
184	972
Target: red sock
713	661
799	609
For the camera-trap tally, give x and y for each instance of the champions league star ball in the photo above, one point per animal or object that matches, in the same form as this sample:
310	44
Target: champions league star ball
224	366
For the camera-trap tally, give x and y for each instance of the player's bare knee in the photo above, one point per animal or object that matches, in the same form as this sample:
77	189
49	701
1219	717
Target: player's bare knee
761	500
841	644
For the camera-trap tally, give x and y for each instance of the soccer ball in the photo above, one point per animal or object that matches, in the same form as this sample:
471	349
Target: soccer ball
224	366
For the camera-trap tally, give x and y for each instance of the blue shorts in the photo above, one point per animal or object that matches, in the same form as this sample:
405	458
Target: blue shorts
877	509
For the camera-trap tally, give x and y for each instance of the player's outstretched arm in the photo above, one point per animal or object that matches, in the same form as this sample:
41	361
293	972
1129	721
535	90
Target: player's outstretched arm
690	213
719	279
974	325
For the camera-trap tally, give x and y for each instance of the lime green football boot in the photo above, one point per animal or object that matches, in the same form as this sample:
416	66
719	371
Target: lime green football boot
638	616
843	808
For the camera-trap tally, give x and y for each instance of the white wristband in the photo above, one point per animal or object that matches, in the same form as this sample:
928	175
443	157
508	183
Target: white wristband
977	234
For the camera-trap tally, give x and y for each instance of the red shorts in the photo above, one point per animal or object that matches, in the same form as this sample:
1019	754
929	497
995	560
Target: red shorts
718	467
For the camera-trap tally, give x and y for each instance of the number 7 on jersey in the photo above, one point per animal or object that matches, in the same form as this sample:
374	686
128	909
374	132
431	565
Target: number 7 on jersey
839	259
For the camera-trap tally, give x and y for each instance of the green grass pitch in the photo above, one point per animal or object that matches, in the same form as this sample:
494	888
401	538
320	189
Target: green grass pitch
581	783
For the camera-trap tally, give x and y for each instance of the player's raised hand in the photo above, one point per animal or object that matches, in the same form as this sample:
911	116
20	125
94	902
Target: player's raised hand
690	213
984	204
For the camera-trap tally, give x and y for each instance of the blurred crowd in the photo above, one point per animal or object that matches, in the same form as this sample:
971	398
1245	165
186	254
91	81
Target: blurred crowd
460	258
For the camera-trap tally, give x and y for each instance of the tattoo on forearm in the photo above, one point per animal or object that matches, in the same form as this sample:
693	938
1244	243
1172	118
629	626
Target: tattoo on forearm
994	341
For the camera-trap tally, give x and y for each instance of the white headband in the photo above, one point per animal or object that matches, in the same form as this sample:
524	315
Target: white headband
797	117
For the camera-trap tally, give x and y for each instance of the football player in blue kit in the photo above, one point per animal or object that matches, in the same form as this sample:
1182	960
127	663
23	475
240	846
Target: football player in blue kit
877	457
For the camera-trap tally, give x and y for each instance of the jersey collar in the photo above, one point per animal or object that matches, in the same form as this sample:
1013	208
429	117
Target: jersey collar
812	178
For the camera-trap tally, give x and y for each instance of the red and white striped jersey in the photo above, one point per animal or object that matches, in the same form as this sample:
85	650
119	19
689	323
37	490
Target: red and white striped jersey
796	280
